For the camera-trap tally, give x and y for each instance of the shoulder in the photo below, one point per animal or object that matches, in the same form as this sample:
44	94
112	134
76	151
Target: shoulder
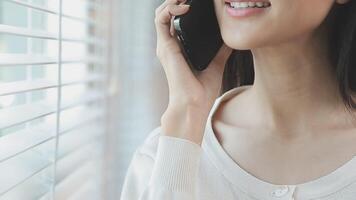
150	144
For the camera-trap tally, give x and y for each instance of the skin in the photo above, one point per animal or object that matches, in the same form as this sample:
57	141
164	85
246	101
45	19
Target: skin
293	109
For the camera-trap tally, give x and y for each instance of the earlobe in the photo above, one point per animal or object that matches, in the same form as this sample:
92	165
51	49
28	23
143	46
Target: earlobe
342	1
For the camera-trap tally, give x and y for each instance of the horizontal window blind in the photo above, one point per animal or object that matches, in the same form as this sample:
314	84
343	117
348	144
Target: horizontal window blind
53	98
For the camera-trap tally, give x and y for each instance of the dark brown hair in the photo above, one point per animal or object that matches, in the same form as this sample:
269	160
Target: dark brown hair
341	20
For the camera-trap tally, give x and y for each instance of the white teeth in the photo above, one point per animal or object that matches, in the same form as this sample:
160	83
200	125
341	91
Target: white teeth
249	4
243	4
259	4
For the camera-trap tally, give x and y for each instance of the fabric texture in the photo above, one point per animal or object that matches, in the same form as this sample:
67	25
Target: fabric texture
169	168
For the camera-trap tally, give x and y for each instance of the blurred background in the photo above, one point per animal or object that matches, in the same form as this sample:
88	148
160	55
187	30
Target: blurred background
80	89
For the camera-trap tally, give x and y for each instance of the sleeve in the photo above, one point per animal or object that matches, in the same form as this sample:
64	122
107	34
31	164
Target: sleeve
168	174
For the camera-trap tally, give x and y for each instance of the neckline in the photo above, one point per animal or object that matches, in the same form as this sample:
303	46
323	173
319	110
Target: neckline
261	189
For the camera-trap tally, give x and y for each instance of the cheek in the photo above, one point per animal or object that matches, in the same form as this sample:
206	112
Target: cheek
287	20
302	19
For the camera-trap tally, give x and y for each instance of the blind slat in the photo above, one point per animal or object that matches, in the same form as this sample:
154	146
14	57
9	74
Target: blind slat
25	86
88	78
52	11
72	162
24	166
27	32
89	59
36	7
70	146
51	134
89	191
36	184
18	142
23	59
68	124
23	113
74	181
86	98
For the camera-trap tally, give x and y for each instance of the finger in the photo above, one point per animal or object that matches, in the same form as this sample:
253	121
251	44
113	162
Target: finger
170	11
172	29
167	2
164	4
163	20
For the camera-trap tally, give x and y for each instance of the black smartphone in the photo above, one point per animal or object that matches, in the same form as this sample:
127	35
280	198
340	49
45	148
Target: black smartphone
199	33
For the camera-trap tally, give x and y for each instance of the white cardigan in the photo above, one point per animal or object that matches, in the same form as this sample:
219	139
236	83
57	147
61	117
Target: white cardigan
169	168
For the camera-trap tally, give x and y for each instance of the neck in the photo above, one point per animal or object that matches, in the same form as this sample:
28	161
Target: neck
294	83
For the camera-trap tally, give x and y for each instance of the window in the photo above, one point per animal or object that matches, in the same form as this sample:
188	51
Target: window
53	94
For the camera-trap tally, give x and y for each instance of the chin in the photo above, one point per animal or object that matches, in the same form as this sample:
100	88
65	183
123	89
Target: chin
241	43
249	39
243	36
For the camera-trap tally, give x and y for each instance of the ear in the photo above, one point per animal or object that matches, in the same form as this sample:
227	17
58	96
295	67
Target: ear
342	1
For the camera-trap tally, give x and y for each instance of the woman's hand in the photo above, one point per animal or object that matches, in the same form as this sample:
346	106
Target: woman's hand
191	96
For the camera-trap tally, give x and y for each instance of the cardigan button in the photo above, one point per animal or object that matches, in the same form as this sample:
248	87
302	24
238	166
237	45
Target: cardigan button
279	192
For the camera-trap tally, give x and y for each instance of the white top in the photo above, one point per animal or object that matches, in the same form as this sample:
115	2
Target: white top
169	168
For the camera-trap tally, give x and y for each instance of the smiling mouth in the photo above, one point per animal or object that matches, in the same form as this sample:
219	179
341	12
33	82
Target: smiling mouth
250	4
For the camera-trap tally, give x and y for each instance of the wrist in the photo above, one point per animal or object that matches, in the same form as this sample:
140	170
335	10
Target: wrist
184	124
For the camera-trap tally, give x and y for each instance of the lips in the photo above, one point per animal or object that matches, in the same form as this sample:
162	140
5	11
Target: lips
245	8
228	1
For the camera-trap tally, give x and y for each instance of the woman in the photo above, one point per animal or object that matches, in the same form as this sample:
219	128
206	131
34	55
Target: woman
279	130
